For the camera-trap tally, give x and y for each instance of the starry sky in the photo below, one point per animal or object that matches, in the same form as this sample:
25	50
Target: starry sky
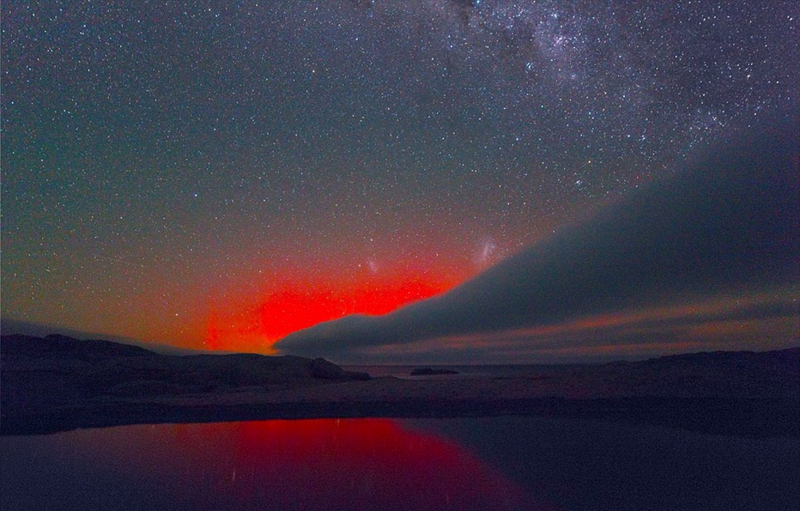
221	174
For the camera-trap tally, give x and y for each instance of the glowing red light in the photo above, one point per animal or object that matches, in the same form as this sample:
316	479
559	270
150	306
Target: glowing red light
294	305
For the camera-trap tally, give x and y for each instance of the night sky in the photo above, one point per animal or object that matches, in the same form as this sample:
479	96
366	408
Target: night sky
221	174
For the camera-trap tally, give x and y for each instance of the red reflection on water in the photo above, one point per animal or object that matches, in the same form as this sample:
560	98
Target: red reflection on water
315	465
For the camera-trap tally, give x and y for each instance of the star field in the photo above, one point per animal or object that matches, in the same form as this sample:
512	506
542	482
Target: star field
194	173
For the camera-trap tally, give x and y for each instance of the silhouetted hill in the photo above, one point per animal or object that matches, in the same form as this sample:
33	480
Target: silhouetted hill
64	347
57	383
10	326
60	369
731	374
789	357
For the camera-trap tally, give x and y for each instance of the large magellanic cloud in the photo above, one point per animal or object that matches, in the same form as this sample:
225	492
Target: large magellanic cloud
723	229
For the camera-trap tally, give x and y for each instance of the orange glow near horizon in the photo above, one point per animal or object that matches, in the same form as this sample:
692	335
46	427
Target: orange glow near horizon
255	324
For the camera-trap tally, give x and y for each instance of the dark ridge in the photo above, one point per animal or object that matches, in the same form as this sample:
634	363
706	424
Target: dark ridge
62	346
38	373
789	355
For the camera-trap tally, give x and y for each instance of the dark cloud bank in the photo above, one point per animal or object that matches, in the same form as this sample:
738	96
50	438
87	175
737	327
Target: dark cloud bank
725	226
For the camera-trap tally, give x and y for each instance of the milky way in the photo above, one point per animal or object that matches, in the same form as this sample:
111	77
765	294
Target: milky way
195	173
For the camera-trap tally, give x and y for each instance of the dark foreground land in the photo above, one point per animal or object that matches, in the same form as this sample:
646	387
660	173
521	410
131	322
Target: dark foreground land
58	383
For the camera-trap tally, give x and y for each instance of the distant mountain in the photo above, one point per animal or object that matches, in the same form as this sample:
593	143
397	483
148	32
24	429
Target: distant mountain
10	326
730	374
65	347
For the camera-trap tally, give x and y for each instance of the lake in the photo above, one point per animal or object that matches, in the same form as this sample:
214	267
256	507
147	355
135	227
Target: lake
523	463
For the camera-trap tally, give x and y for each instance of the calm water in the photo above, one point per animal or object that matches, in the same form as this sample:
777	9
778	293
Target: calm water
461	464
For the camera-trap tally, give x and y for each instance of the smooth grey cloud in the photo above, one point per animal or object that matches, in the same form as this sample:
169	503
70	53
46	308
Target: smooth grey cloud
728	223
